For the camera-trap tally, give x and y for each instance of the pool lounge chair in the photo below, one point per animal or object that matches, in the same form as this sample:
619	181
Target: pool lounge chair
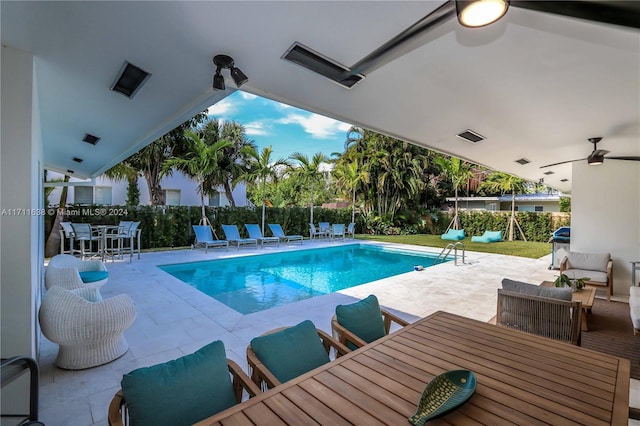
453	235
337	230
254	232
351	230
277	231
205	238
233	237
487	237
316	232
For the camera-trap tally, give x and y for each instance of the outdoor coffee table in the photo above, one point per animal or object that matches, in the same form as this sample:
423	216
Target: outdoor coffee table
586	296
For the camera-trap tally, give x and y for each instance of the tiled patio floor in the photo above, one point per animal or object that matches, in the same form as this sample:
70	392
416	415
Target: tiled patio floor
174	319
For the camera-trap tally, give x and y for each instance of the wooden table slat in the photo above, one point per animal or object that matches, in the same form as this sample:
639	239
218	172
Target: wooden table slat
263	413
288	411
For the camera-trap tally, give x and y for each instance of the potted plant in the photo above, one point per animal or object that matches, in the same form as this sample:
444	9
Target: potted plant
576	284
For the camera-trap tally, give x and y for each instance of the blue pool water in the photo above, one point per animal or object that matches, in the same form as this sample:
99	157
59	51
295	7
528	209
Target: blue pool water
255	283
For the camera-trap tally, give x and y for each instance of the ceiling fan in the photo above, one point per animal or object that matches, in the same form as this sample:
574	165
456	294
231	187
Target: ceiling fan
470	13
597	156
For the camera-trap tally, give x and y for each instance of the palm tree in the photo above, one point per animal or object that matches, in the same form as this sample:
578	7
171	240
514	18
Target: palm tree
260	166
231	164
199	162
505	183
459	172
349	178
308	171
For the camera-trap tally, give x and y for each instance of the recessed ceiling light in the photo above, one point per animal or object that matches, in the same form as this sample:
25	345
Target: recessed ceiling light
548	173
523	161
564	180
470	136
129	80
77	160
88	138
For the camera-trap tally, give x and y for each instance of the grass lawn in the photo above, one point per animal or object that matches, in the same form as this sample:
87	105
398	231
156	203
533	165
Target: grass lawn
514	248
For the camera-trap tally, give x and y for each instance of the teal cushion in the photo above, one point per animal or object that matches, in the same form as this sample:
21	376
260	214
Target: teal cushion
453	235
479	239
180	392
93	276
363	319
493	236
291	352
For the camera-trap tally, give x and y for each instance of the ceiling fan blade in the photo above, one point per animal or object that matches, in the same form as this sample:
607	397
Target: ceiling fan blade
624	13
562	162
399	45
624	157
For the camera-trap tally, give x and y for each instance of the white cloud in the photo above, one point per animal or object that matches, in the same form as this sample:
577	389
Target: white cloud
317	126
247	95
256	128
224	106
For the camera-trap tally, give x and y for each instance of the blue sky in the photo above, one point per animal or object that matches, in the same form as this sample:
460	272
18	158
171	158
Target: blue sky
287	129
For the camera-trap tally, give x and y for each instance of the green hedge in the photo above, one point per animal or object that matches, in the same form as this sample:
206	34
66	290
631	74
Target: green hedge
170	226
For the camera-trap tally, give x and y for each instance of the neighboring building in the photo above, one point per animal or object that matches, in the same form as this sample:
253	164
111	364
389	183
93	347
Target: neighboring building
179	190
524	203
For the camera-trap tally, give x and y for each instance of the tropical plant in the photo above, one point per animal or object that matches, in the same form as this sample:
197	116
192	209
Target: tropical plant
564	281
507	183
149	161
260	167
199	162
231	163
308	171
459	172
349	177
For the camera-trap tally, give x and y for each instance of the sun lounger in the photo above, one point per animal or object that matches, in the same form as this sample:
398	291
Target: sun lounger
254	232
487	237
205	238
277	231
453	235
337	230
233	237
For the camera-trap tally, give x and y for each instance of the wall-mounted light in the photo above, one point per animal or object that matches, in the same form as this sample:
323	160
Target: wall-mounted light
224	61
478	13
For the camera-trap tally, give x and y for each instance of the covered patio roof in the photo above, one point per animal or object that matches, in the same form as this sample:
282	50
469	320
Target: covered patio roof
535	85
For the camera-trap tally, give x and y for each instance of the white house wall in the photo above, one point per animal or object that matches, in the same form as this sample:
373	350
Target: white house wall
21	257
605	214
188	190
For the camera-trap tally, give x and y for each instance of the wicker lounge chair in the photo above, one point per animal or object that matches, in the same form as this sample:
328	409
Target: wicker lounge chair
89	330
204	238
233	237
70	272
277	231
182	391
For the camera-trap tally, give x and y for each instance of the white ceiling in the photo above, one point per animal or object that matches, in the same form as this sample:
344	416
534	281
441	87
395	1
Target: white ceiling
535	85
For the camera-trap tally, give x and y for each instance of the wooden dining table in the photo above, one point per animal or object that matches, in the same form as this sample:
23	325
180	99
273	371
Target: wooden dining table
521	379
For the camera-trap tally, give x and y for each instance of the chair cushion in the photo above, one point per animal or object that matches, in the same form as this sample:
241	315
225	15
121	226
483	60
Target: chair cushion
182	391
363	319
588	261
453	235
291	352
594	276
536	290
93	276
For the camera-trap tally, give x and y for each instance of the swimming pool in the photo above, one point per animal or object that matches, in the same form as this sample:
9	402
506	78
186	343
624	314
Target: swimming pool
255	283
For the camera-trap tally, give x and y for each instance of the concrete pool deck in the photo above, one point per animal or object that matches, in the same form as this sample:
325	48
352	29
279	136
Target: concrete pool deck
174	319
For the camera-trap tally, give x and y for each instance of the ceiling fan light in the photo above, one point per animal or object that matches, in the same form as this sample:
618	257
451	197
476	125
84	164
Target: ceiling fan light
478	13
218	80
